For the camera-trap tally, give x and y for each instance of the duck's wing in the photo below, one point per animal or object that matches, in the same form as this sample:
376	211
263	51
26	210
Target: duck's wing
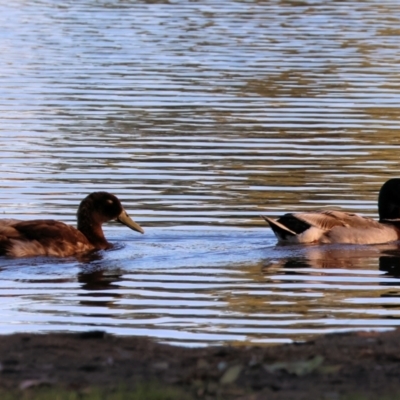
44	230
293	224
41	237
326	220
7	228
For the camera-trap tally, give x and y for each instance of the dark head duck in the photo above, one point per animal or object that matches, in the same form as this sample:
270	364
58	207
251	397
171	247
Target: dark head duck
54	238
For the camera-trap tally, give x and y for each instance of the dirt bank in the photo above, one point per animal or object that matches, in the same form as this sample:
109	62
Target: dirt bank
331	367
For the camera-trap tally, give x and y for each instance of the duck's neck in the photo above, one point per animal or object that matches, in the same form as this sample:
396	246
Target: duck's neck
93	232
389	200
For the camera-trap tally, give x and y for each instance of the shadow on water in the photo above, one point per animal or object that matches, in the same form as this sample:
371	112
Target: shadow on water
390	263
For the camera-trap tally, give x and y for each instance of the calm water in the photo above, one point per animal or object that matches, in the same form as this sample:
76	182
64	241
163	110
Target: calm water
200	116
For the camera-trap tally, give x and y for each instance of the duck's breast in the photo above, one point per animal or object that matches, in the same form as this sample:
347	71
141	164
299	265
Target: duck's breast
372	235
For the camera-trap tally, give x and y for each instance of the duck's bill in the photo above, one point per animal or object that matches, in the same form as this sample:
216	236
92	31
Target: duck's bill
125	219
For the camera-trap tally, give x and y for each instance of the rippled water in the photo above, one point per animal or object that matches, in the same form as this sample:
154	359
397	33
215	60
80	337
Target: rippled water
200	116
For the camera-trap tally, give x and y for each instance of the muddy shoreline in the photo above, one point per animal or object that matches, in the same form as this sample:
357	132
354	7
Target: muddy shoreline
333	366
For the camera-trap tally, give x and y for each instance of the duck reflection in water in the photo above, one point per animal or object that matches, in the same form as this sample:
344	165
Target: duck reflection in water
99	288
99	279
387	256
389	262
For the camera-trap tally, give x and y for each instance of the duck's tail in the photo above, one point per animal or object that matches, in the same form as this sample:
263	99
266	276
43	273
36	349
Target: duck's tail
281	231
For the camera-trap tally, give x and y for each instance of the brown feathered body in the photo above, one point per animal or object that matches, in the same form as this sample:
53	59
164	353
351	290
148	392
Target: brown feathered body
41	238
44	237
334	226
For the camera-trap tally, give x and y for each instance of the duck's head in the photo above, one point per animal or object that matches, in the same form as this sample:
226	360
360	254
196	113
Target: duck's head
389	200
100	207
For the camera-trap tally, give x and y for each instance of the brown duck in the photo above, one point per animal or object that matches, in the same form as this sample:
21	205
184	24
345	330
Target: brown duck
44	237
342	227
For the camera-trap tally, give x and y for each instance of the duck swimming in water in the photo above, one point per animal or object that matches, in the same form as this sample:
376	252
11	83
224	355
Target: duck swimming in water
342	227
43	237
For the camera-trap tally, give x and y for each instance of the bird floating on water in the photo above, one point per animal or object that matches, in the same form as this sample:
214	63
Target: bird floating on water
341	227
46	237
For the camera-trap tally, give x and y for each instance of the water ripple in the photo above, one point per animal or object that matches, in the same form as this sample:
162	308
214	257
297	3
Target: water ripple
200	117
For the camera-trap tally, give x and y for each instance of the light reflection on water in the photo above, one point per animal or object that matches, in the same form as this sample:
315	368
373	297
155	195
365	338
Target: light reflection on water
197	287
200	117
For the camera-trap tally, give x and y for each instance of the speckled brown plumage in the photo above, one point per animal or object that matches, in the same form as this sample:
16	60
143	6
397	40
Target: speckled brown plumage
341	227
54	238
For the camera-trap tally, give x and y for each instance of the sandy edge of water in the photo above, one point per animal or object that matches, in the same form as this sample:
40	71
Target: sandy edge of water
331	367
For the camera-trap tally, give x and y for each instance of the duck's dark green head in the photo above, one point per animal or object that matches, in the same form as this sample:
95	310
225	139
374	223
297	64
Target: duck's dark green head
389	200
100	207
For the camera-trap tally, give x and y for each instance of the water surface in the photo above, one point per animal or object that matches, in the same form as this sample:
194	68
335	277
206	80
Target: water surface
200	116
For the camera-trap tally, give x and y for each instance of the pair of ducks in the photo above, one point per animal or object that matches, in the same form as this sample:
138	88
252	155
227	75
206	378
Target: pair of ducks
54	238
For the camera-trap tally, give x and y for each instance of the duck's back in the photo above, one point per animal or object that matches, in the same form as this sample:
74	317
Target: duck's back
342	227
326	220
41	238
